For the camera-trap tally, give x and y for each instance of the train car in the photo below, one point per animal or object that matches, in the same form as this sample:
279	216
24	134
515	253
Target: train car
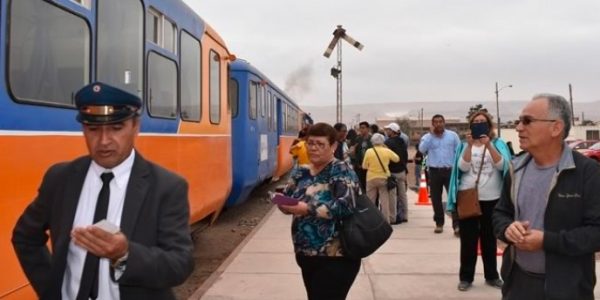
159	50
265	122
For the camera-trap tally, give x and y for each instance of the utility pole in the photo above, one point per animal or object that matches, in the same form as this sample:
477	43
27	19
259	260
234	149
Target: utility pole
571	99
422	117
498	104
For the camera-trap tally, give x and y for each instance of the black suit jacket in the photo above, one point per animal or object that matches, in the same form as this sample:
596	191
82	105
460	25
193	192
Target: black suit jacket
154	219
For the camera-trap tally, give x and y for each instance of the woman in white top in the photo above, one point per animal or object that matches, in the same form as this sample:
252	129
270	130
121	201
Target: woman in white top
480	144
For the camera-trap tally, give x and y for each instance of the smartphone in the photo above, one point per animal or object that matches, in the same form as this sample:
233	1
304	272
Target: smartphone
107	226
280	199
479	129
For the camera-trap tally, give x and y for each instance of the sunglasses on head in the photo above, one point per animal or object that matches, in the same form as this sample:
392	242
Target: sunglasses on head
526	120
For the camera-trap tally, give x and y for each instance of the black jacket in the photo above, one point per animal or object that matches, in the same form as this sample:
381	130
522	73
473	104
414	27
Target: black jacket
154	219
397	145
571	225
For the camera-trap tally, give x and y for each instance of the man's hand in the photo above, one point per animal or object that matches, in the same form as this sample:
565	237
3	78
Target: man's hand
516	231
533	241
300	209
100	242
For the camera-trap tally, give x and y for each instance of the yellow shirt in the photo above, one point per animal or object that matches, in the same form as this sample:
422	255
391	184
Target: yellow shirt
371	164
300	152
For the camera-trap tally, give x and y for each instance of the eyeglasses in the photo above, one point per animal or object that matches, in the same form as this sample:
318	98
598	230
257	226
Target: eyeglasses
318	145
526	120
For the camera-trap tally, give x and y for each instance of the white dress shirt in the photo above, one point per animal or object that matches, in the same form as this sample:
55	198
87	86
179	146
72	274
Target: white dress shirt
84	216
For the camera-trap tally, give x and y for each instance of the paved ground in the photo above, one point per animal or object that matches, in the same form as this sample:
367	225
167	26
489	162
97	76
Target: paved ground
414	264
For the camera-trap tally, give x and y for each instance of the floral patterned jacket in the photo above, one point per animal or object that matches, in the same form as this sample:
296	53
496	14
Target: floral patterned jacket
329	199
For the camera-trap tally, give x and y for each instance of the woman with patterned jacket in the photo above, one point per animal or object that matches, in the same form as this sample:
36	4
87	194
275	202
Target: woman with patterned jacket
325	188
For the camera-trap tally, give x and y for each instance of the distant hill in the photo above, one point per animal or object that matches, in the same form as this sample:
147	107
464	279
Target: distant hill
509	110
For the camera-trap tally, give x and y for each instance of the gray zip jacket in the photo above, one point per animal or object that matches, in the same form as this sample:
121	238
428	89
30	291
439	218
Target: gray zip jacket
571	221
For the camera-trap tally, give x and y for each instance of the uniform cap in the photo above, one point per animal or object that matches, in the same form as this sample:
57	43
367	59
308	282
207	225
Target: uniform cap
99	103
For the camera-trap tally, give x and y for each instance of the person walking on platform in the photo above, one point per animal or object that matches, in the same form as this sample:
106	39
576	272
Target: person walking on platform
341	151
398	169
298	149
482	163
376	162
418	160
361	144
549	213
325	188
440	147
142	246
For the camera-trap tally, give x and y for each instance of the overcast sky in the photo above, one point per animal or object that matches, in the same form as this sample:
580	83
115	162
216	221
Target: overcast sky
417	50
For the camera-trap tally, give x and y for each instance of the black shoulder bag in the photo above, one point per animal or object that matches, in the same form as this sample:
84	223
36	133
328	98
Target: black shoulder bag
391	180
365	230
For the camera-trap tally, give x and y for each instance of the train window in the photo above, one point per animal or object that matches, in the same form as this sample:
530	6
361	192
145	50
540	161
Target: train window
260	100
252	99
85	3
191	81
263	102
49	53
214	89
266	106
121	44
162	86
170	36
234	97
153	26
161	31
267	101
273	113
285	117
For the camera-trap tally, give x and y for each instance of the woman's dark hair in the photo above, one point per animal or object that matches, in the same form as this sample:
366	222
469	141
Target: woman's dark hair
302	133
323	129
351	135
374	128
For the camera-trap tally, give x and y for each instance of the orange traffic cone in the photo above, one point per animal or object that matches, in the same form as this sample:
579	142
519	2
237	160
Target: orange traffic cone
423	196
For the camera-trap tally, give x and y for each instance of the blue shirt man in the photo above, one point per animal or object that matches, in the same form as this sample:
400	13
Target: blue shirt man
440	146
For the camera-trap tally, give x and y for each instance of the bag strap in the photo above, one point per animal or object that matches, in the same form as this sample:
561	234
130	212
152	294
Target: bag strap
380	163
480	166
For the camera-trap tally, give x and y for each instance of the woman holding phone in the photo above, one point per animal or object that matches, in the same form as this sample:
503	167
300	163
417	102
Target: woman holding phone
325	188
484	154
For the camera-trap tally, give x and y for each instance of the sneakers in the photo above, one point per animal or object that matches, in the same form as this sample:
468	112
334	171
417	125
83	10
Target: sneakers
464	286
497	283
438	229
456	232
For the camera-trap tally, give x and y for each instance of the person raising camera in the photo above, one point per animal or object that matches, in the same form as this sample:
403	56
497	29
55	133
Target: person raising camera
482	163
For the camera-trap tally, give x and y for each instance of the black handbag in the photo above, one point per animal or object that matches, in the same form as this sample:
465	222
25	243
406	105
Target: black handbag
391	182
365	230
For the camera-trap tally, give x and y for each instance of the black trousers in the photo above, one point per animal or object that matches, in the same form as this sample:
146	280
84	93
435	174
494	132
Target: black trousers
471	231
327	278
523	285
362	178
439	178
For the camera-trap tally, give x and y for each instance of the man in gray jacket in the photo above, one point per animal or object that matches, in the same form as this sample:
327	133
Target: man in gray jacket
549	212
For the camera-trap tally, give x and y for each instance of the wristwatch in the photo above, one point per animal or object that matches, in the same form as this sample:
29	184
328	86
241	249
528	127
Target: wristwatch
121	262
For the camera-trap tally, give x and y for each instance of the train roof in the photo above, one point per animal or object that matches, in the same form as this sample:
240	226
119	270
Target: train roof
245	66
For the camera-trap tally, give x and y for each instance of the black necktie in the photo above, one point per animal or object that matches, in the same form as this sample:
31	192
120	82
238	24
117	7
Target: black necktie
89	278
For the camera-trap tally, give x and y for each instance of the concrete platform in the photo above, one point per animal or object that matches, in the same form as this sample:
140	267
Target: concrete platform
414	263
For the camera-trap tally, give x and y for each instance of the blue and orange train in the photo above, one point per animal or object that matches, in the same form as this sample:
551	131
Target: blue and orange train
221	124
